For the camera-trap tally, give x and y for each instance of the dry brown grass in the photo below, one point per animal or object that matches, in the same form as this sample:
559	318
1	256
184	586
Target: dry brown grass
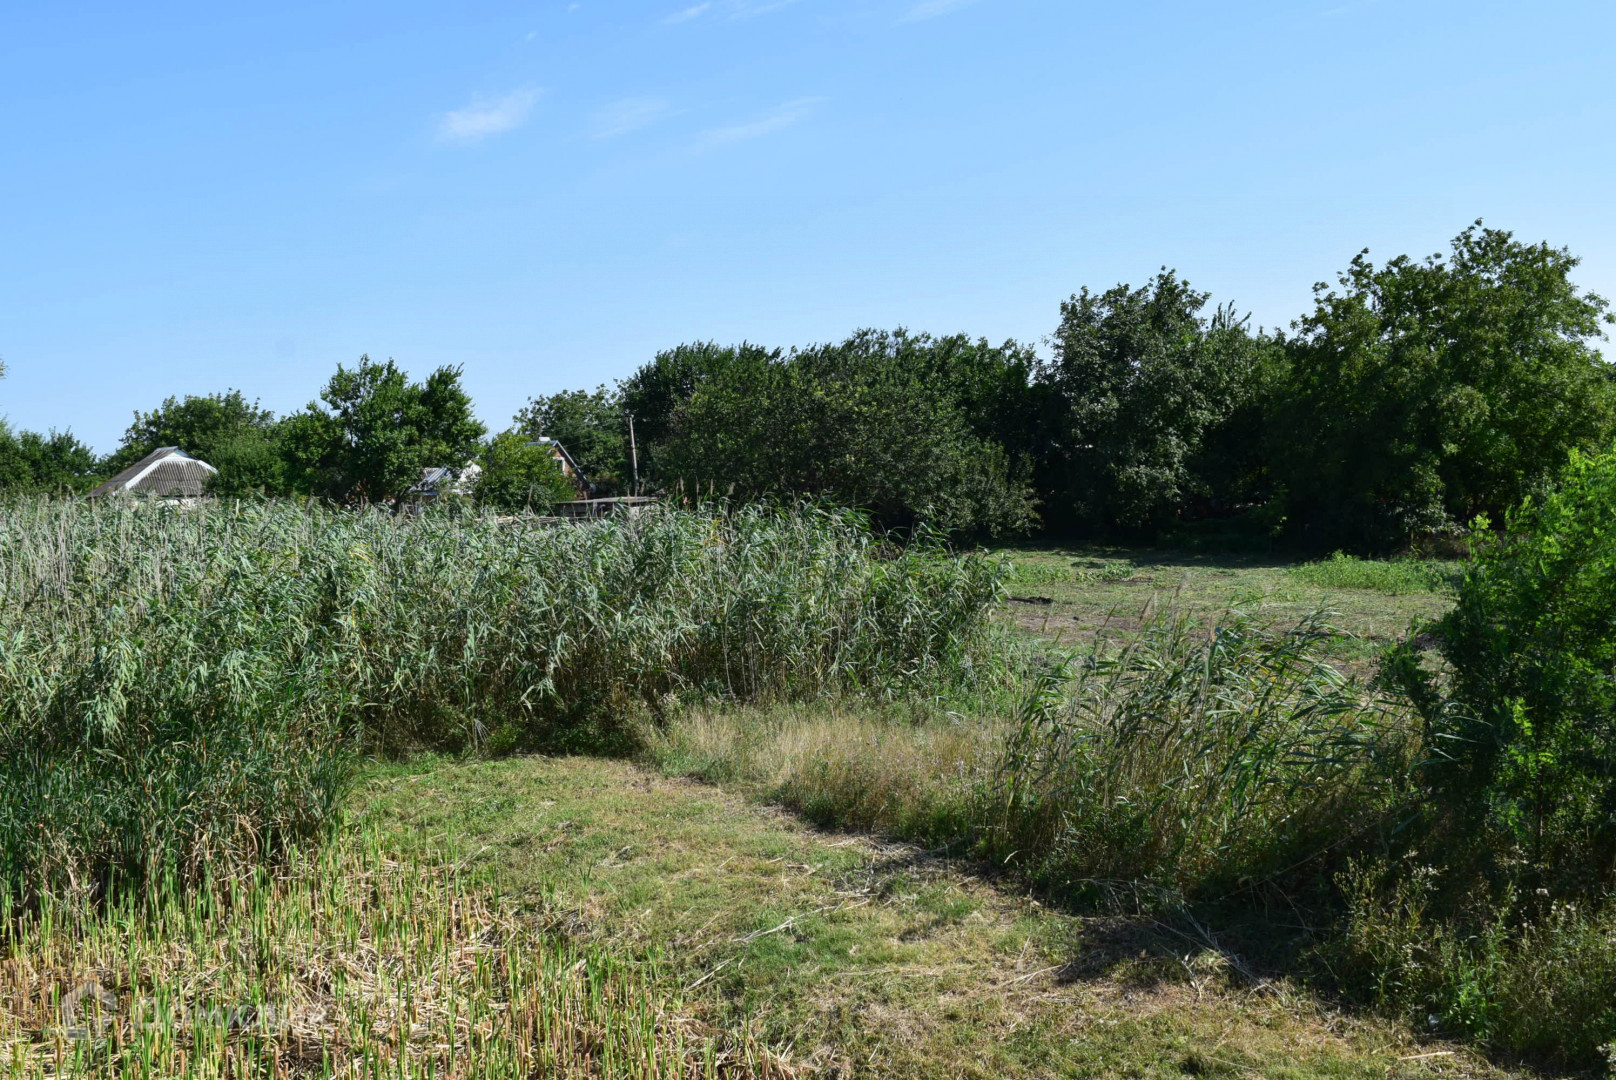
837	764
350	963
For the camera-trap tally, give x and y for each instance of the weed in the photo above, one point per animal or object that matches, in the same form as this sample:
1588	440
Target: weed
1394	577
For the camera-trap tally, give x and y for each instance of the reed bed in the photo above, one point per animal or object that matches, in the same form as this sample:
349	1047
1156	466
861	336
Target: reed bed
1194	759
183	688
345	962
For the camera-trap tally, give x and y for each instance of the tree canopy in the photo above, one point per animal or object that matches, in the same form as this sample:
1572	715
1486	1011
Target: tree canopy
373	431
520	475
879	421
593	428
199	425
1138	379
1422	393
53	464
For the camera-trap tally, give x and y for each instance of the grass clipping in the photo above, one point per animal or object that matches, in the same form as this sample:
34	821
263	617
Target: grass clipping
348	963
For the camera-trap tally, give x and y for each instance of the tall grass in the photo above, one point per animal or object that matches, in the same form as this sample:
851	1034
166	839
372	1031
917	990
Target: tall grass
180	687
1183	762
1191	759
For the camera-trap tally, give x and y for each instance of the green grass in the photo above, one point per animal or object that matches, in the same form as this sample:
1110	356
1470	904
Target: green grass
1394	577
1072	595
849	955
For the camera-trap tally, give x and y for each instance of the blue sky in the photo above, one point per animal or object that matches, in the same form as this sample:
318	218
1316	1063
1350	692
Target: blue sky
201	196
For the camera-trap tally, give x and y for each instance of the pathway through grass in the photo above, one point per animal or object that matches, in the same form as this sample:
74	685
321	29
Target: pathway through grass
854	957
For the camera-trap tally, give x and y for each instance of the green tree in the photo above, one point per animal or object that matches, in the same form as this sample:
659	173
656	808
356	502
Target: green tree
1424	393
57	463
519	475
373	431
199	425
875	422
1139	378
655	393
593	428
252	462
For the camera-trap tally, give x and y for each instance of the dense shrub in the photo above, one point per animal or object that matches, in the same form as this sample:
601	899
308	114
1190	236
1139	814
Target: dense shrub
1541	983
1498	923
178	685
1528	729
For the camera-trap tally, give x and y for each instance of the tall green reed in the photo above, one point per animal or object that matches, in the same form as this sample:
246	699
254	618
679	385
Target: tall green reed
1192	760
183	687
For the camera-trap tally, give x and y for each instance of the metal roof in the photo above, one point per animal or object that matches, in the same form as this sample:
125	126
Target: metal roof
167	471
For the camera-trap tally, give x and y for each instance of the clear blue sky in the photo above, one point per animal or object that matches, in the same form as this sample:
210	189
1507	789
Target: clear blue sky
199	196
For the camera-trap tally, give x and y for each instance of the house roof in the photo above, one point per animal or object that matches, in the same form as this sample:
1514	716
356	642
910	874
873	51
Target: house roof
166	471
566	460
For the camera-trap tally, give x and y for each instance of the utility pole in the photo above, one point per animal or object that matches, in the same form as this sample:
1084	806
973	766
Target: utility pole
634	453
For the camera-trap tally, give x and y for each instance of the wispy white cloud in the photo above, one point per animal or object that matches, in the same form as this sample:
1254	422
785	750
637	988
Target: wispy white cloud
776	120
694	11
728	9
481	119
745	9
1349	7
630	114
929	9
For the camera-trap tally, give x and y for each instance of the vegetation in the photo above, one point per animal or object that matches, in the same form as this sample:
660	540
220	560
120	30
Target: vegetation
1139	380
206	427
1422	780
376	431
519	474
593	428
54	464
1445	863
1424	393
1412	398
881	421
851	955
363	964
1396	577
178	686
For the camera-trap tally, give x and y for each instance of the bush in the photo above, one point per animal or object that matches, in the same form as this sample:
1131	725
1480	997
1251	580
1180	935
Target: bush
1508	936
1528	732
1545	986
179	686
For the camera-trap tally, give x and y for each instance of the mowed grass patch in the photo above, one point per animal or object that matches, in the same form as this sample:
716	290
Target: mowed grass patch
1070	595
850	956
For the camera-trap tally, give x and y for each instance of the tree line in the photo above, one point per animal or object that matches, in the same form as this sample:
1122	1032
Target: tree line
365	440
1415	396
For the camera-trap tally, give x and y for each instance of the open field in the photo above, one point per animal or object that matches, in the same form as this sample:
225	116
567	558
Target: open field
1073	594
999	866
